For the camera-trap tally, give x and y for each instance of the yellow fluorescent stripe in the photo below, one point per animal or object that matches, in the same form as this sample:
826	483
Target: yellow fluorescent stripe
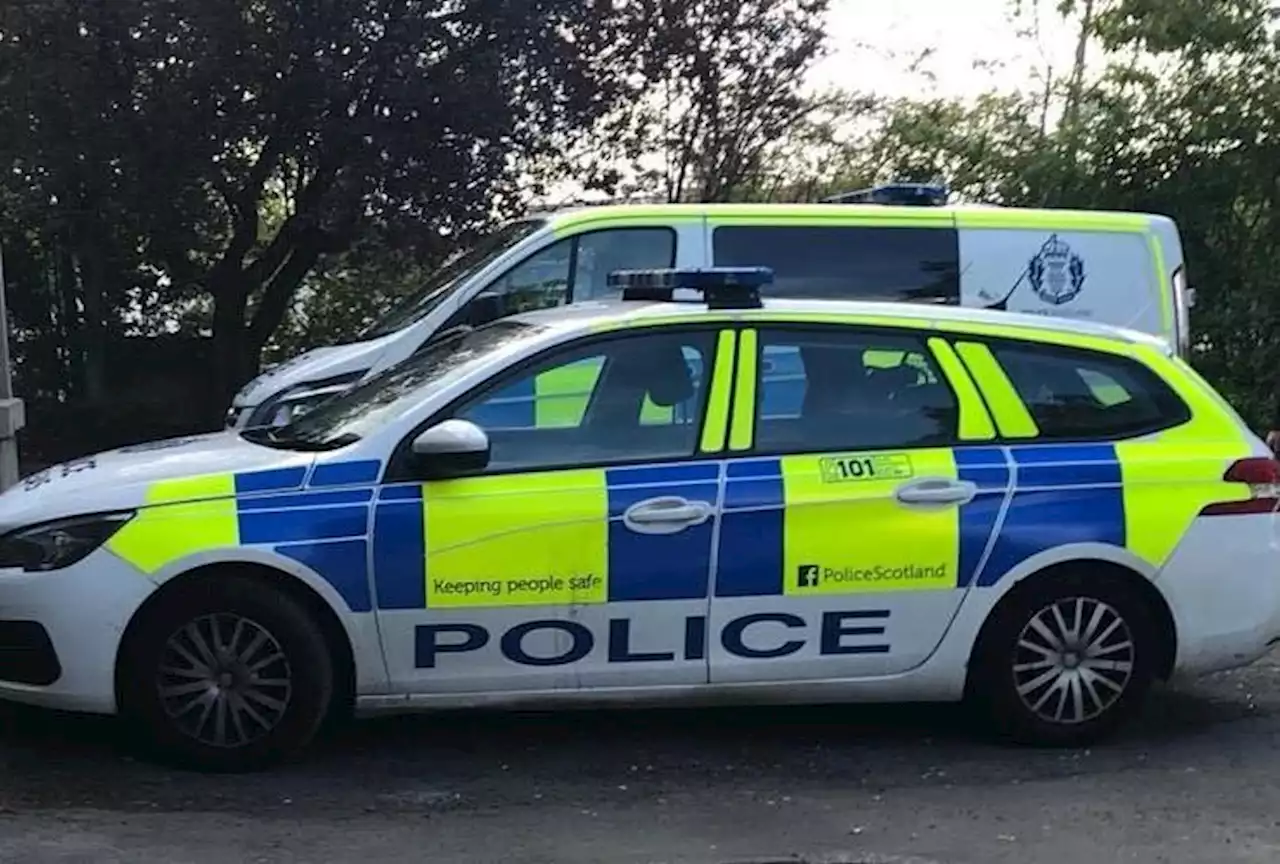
1030	333
629	216
1167	482
913	549
844	215
192	488
517	540
975	422
744	404
1011	415
1065	220
182	517
1164	284
716	426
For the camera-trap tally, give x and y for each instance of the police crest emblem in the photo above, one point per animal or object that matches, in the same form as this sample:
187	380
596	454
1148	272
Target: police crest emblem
1056	272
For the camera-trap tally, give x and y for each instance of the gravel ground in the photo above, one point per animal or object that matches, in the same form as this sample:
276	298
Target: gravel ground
1197	779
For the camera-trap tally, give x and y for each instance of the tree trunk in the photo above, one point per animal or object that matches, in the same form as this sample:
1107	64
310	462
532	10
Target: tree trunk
233	364
93	274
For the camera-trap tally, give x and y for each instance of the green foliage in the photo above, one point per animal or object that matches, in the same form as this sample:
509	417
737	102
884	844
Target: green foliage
206	156
715	88
194	186
1193	133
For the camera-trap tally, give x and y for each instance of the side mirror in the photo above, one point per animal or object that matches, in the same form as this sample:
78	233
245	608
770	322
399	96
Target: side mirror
484	307
452	448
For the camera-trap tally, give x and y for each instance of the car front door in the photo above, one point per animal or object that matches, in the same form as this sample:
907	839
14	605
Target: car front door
856	513
581	553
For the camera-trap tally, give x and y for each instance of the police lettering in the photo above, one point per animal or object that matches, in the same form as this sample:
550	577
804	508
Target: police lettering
756	636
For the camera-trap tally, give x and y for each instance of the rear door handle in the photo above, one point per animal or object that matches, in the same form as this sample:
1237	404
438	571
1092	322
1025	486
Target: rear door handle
669	514
936	492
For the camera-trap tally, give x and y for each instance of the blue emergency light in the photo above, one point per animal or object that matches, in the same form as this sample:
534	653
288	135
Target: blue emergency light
719	287
896	195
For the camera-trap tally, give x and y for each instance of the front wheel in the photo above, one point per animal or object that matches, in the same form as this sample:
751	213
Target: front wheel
1066	661
227	674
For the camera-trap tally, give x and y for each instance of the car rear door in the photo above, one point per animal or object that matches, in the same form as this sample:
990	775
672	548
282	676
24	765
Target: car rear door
861	493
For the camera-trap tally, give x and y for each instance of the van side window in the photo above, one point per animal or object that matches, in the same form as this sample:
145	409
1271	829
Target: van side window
847	262
602	252
538	282
839	390
571	270
1073	394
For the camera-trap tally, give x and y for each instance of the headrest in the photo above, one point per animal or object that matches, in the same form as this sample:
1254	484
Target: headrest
659	370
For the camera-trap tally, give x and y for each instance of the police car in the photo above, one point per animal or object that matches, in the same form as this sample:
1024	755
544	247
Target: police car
671	497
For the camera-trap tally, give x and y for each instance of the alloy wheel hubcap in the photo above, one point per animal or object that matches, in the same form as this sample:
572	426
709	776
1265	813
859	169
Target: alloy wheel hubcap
224	680
1074	659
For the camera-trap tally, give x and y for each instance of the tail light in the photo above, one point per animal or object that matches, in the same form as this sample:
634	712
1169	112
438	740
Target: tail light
1262	475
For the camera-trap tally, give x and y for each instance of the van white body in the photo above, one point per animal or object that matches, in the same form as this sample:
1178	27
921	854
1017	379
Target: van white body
1122	269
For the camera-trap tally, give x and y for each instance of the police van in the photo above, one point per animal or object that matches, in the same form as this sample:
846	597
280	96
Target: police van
1038	515
899	242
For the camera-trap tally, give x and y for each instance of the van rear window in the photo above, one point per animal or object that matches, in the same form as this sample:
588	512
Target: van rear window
848	262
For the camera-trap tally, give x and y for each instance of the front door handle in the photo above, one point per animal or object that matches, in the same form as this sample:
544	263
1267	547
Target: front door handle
936	492
666	515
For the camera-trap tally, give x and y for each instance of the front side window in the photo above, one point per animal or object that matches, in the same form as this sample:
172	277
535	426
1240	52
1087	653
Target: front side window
635	398
835	389
847	262
1074	394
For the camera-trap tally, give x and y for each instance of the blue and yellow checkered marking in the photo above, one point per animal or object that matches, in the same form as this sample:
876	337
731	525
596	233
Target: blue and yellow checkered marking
353	473
307	519
660	567
273	480
399	548
776	514
326	531
1063	494
543	539
760	554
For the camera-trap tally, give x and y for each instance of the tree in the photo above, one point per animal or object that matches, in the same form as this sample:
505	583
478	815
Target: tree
1183	119
714	86
217	151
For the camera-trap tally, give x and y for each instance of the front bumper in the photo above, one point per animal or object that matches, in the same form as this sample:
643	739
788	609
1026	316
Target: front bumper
83	612
27	655
1222	584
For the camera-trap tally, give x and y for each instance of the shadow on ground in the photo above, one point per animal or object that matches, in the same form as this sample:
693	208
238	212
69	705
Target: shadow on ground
487	759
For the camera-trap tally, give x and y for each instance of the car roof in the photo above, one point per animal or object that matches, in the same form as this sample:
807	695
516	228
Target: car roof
565	218
617	313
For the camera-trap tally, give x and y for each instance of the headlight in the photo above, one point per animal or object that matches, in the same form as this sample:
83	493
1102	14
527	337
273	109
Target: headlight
55	545
290	404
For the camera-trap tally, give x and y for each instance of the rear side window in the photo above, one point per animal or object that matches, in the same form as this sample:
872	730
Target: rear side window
848	262
836	389
1074	395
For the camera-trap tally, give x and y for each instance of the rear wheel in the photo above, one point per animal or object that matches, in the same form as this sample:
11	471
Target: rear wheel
1065	661
227	674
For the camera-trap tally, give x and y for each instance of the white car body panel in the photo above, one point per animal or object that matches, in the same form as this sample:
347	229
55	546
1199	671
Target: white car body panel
1224	616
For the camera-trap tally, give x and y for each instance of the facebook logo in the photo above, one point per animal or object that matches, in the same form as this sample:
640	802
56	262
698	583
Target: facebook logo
807	575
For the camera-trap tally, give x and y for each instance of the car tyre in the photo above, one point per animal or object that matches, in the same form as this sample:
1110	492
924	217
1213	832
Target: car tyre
227	674
1064	661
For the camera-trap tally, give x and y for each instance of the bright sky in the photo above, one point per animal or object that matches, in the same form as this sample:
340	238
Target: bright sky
874	42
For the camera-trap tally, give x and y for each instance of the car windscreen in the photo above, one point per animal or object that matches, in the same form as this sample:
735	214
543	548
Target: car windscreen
847	262
455	269
372	404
